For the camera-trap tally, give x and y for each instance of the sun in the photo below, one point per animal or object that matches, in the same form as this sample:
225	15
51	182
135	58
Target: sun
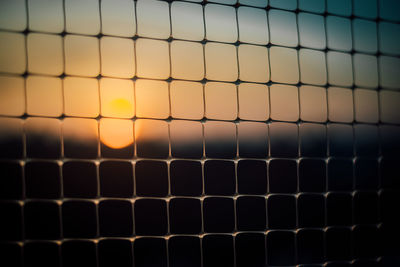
120	108
116	133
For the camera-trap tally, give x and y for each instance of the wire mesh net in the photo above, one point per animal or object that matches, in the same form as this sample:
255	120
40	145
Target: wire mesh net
199	133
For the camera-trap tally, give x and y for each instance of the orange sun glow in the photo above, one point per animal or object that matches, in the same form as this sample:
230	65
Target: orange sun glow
116	133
